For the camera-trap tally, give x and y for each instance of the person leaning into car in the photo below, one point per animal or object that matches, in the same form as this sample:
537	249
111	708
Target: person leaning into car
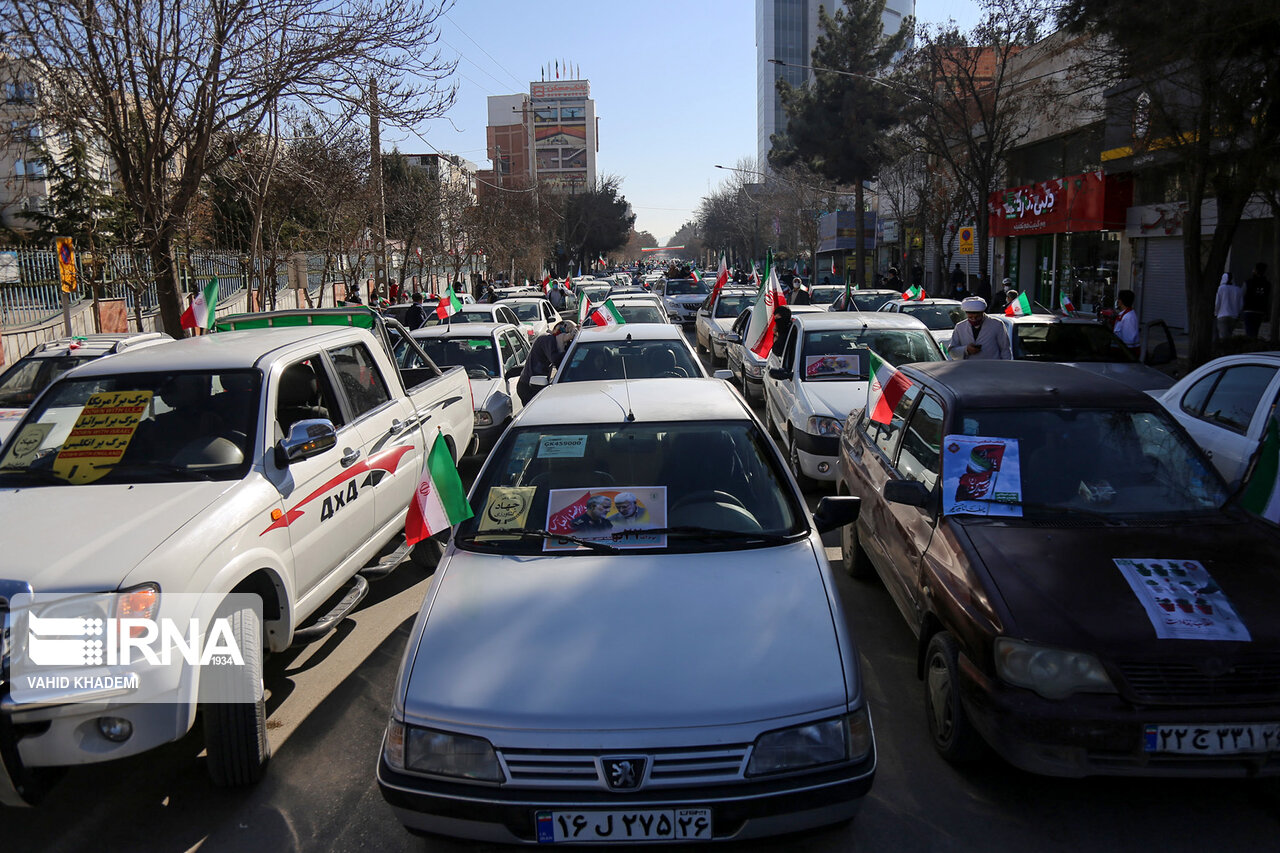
546	354
977	335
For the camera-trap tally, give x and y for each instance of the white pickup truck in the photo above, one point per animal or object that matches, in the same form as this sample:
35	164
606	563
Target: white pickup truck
275	461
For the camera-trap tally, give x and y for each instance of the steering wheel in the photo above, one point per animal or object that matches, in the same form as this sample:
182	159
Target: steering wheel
675	373
707	496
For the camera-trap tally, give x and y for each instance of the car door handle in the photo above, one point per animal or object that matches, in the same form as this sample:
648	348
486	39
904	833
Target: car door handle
349	457
397	427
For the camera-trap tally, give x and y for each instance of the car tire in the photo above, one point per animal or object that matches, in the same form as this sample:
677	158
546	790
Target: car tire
953	734
426	554
235	733
853	558
697	342
803	480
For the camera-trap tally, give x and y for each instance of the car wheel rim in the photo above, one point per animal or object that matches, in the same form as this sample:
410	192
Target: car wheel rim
938	685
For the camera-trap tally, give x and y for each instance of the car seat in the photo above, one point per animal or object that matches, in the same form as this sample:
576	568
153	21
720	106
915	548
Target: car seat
299	396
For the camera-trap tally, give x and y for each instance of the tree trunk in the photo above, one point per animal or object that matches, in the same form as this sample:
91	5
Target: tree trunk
858	260
164	270
1274	335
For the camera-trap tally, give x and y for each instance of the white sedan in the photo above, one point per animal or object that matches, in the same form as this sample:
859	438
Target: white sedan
1225	405
714	319
631	351
822	375
636	637
940	315
535	312
747	368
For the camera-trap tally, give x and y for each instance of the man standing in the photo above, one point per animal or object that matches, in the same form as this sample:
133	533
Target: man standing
1257	300
1126	328
979	336
1227	305
416	315
547	352
958	290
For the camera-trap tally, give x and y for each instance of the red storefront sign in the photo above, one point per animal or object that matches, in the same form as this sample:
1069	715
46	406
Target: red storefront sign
1088	202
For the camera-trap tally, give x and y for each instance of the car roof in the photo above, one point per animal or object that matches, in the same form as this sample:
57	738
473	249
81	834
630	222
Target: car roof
927	301
649	400
1028	319
857	319
636	331
98	344
1003	384
223	351
506	300
462	330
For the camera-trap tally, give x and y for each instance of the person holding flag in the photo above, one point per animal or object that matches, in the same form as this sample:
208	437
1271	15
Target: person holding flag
545	356
978	336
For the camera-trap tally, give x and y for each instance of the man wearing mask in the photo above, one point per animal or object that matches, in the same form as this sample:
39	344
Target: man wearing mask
547	352
979	336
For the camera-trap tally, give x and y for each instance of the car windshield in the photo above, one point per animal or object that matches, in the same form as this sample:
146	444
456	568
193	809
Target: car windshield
896	346
1068	342
597	293
871	301
686	286
22	383
477	355
640	312
1100	460
640	359
137	428
528	311
825	294
482	316
936	317
731	304
713	485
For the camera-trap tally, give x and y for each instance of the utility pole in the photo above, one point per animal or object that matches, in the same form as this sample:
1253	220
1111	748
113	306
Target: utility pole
379	203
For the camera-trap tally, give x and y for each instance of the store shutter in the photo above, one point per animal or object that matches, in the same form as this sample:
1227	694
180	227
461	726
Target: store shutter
1164	295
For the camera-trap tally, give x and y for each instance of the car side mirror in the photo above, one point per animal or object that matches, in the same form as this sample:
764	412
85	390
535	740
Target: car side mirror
513	370
835	511
726	375
732	338
306	438
780	373
909	492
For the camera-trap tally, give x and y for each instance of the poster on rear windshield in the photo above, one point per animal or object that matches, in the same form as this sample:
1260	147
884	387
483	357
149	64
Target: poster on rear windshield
981	476
621	517
1182	600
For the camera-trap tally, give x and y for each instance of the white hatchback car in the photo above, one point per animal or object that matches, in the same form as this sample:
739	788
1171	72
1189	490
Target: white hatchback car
636	638
1225	404
822	376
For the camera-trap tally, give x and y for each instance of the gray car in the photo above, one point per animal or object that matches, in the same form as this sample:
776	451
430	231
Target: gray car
637	637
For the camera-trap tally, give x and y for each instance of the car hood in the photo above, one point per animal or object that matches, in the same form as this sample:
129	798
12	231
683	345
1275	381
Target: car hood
1062	587
116	527
595	642
1137	376
835	398
484	390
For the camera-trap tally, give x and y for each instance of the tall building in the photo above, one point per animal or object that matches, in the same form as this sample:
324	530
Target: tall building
787	30
547	136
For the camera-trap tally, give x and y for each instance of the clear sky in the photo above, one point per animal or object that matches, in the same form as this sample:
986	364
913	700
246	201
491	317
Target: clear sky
674	85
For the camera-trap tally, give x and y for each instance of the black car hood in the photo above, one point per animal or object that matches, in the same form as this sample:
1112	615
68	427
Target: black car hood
1059	585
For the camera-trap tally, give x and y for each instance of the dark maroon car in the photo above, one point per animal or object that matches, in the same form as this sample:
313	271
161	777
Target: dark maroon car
1087	597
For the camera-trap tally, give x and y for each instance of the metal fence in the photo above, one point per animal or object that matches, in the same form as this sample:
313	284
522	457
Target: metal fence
31	288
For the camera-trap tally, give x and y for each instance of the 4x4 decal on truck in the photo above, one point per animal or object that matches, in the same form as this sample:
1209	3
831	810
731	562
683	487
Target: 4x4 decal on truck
387	462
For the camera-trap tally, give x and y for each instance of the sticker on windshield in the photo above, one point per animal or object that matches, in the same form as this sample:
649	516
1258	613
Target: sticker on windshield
981	476
1182	600
562	447
620	517
507	508
26	444
101	434
846	366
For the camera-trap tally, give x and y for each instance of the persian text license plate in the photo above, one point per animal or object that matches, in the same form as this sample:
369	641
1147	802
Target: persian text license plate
602	827
1227	739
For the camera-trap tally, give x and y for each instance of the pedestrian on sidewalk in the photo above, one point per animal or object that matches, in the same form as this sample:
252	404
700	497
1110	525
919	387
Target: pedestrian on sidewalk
1227	305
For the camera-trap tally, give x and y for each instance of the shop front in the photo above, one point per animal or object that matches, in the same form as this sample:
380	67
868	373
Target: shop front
838	244
1063	237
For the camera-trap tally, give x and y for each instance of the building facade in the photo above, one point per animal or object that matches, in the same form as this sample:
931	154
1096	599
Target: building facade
547	137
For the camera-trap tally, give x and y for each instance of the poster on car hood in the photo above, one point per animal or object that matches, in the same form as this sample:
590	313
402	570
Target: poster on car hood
1182	600
981	476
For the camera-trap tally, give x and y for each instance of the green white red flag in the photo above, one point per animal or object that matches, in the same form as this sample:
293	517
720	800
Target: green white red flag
440	501
546	283
607	315
584	309
449	304
1065	302
203	310
915	293
1019	307
722	277
885	389
761	329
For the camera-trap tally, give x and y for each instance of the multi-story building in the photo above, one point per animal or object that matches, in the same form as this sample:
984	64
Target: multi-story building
787	30
509	139
548	137
449	169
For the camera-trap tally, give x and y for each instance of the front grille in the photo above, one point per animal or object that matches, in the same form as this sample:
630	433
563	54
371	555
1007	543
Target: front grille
667	767
1244	682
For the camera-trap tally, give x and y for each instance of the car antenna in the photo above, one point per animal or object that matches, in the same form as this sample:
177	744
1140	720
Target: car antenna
630	416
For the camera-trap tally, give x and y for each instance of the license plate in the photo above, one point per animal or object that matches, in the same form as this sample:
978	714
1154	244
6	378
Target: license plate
1225	739
603	827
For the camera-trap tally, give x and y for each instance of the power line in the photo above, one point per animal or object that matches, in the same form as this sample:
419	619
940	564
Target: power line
485	52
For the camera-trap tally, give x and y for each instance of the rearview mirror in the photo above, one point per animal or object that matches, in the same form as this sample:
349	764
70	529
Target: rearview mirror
779	373
834	512
732	338
306	438
907	492
726	375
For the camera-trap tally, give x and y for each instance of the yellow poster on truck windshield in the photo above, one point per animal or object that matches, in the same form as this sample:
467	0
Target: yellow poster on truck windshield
101	435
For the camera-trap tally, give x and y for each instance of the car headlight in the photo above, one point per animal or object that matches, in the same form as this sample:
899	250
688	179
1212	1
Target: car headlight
829	427
1053	673
483	419
721	334
445	754
752	368
812	745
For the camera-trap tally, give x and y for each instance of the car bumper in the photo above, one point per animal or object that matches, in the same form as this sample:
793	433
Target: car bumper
1100	734
755	388
508	815
818	455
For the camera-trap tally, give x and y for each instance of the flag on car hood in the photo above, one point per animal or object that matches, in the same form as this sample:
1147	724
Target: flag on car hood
607	315
440	500
1019	307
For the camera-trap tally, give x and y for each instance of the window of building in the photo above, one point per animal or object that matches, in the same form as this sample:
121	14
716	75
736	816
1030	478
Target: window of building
573	113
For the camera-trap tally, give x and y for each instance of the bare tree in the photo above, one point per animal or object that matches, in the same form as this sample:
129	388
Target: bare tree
169	87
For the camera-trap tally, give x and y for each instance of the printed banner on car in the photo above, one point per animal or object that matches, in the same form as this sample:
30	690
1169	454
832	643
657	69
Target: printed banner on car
1182	600
620	517
981	476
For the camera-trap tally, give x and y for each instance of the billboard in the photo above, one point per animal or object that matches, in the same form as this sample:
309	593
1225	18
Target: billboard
553	89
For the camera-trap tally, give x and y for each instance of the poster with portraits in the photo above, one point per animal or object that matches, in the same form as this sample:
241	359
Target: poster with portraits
612	515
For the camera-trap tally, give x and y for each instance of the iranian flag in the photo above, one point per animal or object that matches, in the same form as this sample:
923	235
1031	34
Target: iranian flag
760	331
449	304
1065	302
696	277
722	277
607	315
1261	494
440	500
568	281
1020	307
885	389
915	293
203	309
546	283
584	309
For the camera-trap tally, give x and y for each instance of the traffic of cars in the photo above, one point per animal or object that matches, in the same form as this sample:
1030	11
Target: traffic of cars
1062	533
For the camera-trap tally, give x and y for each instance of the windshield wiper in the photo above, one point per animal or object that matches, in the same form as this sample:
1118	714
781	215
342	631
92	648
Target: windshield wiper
691	532
159	468
41	475
477	539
